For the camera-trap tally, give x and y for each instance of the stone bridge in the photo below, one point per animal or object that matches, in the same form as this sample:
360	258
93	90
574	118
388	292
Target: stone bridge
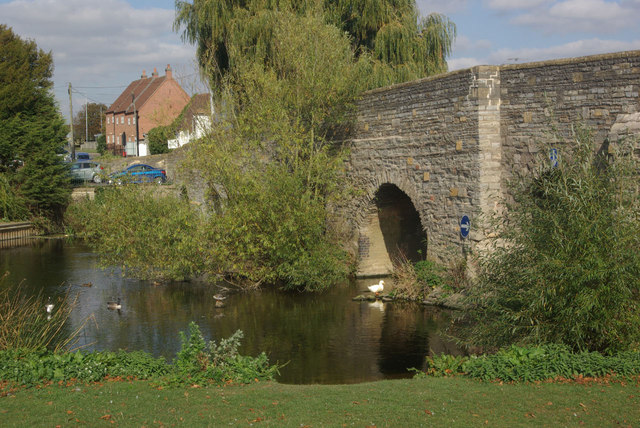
428	152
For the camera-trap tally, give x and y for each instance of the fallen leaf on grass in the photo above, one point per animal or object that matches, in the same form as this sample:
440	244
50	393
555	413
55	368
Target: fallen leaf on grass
106	417
530	415
69	412
428	412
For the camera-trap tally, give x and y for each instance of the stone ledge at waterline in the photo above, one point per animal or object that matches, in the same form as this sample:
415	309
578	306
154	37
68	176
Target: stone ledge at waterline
437	297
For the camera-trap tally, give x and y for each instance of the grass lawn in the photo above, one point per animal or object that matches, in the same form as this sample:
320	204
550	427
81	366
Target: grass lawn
398	403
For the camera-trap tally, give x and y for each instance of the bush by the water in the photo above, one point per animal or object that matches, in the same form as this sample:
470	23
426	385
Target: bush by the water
414	281
151	235
196	363
565	265
528	364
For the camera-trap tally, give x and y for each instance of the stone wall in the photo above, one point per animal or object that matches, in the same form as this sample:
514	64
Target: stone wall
450	142
593	91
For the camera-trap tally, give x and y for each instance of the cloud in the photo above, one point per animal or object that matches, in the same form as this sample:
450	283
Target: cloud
444	7
464	44
594	16
508	5
98	42
568	50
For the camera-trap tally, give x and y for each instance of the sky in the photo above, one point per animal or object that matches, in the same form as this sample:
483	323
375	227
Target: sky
100	46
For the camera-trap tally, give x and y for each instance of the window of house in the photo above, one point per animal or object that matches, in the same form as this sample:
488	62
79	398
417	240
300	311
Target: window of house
107	120
128	121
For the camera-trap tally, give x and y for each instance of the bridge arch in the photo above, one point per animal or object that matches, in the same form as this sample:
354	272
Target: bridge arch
391	228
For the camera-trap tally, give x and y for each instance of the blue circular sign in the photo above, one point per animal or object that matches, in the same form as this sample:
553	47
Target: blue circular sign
553	156
465	226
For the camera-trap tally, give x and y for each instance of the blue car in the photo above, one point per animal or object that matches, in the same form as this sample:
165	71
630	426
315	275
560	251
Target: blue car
139	173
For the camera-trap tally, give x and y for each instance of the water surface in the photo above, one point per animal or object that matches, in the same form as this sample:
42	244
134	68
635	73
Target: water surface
322	338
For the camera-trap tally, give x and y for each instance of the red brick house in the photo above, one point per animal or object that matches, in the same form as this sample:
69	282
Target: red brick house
156	101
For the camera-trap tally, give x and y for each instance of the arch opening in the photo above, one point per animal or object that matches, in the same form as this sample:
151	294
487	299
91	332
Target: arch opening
404	236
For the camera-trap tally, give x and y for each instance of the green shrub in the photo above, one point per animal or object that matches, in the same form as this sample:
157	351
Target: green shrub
199	362
429	273
151	235
196	362
414	281
528	364
101	144
158	139
12	208
564	266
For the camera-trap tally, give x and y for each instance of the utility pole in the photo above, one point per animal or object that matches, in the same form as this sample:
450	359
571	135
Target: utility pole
86	120
73	144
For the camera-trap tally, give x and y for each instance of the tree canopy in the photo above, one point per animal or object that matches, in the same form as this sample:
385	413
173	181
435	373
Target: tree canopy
32	130
401	44
89	121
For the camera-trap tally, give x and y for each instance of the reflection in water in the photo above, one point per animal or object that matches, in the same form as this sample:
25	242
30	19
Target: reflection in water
323	338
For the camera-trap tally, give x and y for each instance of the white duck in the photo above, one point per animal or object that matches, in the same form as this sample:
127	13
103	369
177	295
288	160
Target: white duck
376	288
49	306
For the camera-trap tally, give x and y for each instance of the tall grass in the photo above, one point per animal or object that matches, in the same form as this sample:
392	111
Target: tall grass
24	322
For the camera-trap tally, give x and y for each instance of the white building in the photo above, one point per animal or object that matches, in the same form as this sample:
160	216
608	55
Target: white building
196	121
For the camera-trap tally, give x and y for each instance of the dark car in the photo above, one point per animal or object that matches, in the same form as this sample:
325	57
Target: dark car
82	156
139	173
86	171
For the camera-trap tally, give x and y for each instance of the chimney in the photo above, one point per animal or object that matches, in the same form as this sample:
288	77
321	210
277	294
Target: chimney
167	72
144	74
155	72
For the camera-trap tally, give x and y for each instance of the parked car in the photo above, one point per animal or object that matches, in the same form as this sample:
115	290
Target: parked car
86	171
82	156
139	173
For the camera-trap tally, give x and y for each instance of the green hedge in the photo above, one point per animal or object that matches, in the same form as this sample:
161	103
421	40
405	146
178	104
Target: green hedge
538	363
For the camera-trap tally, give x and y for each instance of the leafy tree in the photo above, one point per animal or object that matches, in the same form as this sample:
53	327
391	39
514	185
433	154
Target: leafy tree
101	144
565	267
158	139
89	121
402	45
31	128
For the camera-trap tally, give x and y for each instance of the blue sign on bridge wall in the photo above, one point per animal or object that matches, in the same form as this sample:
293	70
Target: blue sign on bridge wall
553	156
465	226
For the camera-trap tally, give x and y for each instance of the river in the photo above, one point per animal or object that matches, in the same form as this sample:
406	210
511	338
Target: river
322	338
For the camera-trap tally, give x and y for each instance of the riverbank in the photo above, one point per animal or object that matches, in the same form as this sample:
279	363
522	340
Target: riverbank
410	402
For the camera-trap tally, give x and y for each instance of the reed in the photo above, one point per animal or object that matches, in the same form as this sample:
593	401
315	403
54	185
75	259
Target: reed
24	322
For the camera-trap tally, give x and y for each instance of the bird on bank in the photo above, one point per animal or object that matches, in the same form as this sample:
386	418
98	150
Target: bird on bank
114	305
49	306
376	288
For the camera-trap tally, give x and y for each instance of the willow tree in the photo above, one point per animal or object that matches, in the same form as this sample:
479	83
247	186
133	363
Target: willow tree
269	160
401	44
289	72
